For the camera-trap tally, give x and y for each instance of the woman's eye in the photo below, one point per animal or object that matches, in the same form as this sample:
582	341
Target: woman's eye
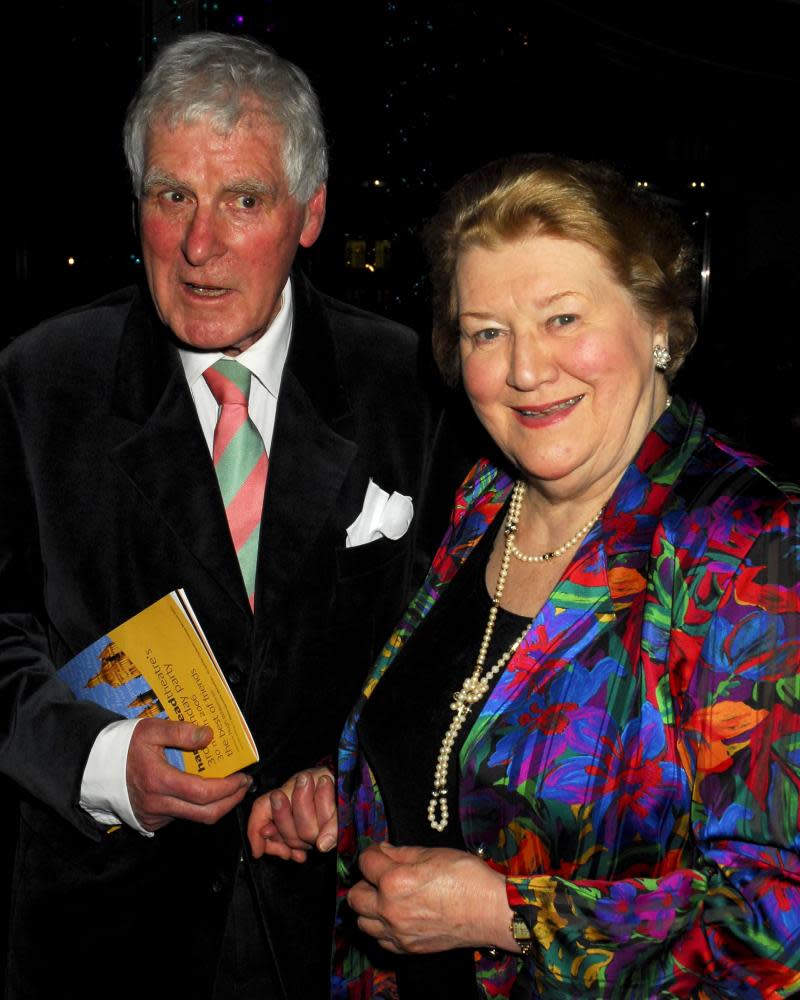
563	319
487	336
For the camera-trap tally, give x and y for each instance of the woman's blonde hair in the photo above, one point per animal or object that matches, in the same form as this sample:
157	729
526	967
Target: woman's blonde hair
644	245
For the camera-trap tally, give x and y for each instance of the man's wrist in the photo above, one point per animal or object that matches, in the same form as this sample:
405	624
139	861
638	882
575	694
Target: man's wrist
104	787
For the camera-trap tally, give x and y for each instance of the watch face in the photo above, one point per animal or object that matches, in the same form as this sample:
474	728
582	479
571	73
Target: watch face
521	933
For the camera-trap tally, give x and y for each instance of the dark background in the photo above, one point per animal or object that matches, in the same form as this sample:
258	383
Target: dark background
414	95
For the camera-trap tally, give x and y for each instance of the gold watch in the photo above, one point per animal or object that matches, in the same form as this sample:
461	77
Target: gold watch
521	933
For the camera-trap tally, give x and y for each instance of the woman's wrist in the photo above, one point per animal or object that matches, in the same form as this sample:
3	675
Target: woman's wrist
499	933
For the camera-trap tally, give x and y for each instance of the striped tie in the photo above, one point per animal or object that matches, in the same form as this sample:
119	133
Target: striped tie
240	461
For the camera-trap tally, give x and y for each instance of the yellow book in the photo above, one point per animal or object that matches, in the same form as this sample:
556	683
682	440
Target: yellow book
159	664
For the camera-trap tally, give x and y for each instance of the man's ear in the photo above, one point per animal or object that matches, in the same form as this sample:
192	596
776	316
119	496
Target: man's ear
314	217
135	216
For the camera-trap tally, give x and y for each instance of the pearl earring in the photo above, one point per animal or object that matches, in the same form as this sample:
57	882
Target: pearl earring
662	357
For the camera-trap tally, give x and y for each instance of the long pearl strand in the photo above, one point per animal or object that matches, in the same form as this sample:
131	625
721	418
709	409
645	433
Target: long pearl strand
475	686
477	683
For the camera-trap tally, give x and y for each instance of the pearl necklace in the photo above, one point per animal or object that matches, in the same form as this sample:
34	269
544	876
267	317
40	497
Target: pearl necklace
476	686
546	556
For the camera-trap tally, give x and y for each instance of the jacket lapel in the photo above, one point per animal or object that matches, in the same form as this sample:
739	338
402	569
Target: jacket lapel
307	468
312	452
163	453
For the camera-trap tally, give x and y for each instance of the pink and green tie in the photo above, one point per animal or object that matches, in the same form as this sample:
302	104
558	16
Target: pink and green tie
240	461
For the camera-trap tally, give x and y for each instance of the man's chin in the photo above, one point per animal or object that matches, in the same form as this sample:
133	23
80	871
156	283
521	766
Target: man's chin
204	339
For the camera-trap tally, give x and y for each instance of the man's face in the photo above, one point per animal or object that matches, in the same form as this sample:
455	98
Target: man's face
219	229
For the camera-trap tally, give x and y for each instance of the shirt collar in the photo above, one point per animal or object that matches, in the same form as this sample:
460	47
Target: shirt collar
265	358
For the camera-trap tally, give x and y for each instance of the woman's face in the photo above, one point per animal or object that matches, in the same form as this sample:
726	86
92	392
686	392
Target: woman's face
557	362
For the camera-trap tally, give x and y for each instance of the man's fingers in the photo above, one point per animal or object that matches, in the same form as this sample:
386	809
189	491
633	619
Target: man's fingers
160	792
154	776
155	811
167	733
200	791
158	810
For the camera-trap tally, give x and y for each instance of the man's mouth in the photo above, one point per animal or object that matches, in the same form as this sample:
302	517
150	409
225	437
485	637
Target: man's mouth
206	291
546	411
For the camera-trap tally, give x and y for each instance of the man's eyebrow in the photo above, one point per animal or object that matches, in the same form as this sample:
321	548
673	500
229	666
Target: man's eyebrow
250	185
159	178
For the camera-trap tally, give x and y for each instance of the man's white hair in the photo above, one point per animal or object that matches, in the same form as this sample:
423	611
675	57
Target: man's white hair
214	77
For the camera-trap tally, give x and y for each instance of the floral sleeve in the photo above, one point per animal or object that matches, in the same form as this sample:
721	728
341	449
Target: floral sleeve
725	921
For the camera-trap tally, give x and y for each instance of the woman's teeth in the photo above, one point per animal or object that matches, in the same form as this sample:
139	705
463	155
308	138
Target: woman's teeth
555	408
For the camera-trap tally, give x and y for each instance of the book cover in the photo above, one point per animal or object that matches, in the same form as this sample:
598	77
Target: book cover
159	664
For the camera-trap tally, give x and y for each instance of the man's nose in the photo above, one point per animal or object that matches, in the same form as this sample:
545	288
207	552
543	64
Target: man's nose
203	239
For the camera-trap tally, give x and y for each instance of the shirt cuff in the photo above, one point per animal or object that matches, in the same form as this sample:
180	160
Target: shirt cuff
104	788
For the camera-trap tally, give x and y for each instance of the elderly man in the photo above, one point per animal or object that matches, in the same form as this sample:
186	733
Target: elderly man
110	419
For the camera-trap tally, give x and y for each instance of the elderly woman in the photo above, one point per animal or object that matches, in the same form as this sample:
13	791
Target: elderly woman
582	742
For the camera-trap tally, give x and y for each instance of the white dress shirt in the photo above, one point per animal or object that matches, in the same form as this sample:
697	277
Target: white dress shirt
104	788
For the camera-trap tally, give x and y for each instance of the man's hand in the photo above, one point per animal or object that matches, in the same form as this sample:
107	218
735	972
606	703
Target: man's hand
160	792
289	821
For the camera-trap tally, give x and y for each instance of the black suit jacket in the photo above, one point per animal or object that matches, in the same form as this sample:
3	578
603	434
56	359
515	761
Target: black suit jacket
109	500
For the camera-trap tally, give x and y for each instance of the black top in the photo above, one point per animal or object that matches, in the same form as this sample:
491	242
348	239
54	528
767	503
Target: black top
401	731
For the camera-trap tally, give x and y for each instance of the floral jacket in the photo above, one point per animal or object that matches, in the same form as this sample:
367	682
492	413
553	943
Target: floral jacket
635	773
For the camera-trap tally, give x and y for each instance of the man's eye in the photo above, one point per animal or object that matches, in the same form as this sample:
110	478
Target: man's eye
174	197
246	201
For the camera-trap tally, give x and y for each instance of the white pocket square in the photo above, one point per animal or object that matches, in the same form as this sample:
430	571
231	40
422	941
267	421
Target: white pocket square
382	516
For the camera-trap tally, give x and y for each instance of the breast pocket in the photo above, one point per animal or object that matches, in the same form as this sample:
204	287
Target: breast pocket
373	585
374	557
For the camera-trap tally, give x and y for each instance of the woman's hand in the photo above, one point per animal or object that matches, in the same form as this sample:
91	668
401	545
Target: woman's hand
419	899
289	821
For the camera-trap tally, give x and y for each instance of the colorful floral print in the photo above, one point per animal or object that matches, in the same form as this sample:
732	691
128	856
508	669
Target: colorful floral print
636	771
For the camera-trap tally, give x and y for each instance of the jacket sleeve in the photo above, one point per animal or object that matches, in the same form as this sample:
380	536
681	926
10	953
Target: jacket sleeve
729	925
45	734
